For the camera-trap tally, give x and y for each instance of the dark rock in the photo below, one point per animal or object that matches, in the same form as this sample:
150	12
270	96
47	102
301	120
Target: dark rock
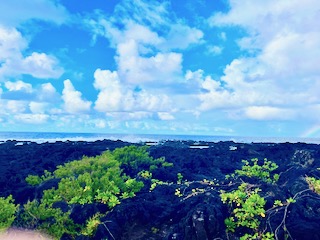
162	215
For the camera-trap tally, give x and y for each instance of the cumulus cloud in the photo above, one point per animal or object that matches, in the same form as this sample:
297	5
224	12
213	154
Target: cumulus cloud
18	86
47	93
38	107
280	68
114	97
14	63
146	45
41	65
73	102
14	106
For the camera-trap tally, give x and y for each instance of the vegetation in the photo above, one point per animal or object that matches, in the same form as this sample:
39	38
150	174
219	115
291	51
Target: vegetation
7	212
314	184
45	217
261	172
114	176
108	179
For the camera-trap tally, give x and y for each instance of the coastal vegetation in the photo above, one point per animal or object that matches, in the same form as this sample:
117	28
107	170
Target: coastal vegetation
7	212
107	179
247	203
133	191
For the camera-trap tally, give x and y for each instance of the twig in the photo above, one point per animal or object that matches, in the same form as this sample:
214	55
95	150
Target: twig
108	230
283	222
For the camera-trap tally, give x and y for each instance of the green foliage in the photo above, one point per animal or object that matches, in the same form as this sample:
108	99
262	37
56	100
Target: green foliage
314	184
7	212
145	174
43	216
277	203
91	179
166	164
180	177
258	236
156	182
262	172
247	207
36	180
91	225
137	158
33	180
178	192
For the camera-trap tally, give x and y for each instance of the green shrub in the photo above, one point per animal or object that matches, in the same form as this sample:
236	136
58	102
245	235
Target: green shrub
7	212
33	180
91	179
261	172
247	207
52	220
137	158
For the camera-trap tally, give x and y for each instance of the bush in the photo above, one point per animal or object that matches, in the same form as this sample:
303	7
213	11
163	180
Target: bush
247	207
92	179
261	172
7	212
134	159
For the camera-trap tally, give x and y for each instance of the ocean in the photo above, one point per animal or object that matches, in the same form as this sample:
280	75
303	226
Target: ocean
41	137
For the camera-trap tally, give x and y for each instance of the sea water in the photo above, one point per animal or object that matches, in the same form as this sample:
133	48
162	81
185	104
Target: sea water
41	137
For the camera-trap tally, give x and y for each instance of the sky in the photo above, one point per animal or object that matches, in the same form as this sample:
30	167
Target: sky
195	67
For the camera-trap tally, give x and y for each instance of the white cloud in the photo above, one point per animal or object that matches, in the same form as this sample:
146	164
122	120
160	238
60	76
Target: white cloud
41	65
215	50
38	65
18	86
11	43
14	12
115	97
148	70
13	106
38	107
100	123
165	116
145	45
32	118
73	102
279	75
47	93
268	113
223	36
182	36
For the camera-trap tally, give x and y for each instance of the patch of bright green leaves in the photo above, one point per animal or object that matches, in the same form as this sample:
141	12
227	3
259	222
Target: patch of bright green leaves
107	178
7	212
262	172
247	206
42	215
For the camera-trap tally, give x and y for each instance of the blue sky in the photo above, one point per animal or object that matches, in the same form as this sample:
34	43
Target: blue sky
223	67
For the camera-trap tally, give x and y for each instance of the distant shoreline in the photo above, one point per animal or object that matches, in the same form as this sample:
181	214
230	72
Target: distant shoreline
41	137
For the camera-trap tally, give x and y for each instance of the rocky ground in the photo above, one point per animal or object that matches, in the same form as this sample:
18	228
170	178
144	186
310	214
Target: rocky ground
197	214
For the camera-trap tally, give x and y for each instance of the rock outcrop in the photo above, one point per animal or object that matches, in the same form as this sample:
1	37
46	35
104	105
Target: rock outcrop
160	214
